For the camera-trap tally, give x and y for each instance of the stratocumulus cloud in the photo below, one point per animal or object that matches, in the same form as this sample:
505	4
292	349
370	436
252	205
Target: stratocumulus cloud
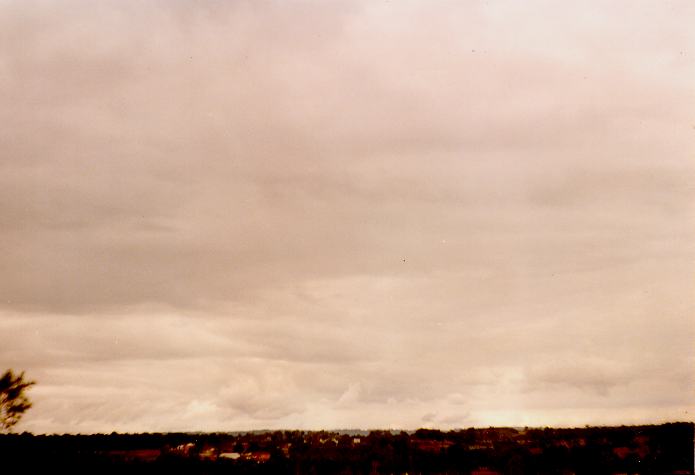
239	215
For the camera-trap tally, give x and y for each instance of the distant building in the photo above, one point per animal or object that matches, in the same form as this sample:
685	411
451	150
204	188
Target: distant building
184	449
208	453
230	455
259	457
485	471
621	452
138	455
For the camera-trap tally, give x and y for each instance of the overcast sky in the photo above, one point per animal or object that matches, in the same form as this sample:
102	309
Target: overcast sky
278	214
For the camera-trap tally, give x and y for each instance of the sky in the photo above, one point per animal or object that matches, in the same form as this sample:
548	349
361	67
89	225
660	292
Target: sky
226	216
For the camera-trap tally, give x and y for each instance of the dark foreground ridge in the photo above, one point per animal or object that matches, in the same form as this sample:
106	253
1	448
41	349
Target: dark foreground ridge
654	449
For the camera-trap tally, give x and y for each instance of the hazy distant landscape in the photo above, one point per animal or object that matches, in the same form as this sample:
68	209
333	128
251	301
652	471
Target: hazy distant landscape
639	450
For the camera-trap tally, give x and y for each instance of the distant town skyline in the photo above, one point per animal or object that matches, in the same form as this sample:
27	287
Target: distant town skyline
221	216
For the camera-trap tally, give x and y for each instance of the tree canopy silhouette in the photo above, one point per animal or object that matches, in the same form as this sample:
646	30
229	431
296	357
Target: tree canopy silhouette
13	400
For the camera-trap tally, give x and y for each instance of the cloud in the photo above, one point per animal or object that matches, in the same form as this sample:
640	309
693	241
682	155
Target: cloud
355	214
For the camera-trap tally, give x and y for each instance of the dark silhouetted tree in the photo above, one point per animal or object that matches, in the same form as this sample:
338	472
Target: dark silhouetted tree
13	400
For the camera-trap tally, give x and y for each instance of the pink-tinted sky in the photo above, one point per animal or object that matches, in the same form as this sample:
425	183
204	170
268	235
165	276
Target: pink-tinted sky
280	214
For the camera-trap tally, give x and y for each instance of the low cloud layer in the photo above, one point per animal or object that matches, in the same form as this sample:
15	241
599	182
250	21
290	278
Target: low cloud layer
223	216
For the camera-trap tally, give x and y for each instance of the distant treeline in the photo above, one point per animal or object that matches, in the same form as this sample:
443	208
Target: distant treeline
652	449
